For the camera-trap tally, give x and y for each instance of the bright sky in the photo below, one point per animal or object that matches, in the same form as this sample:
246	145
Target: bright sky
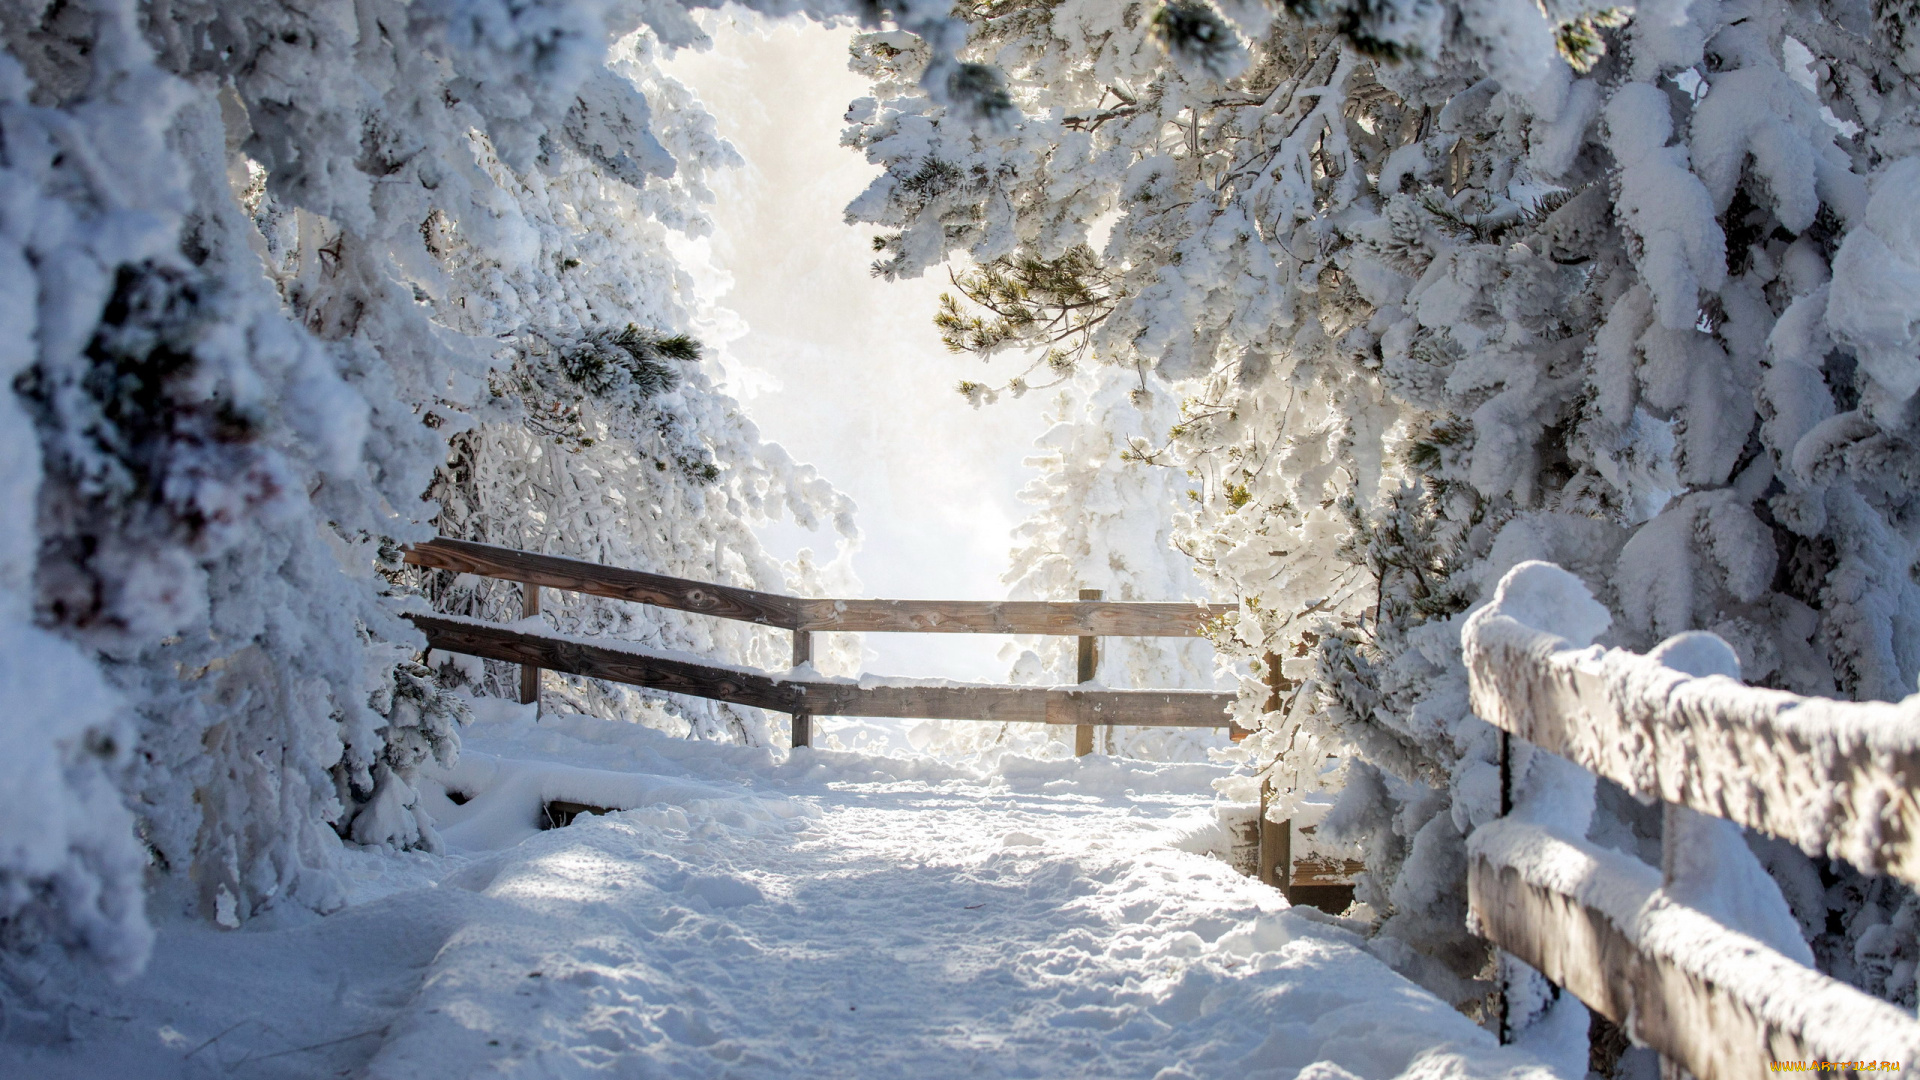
843	369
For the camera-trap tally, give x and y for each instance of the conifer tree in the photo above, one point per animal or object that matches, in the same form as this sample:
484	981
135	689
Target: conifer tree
1102	521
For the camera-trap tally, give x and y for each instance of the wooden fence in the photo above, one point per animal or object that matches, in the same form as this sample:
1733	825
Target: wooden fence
1834	777
1089	618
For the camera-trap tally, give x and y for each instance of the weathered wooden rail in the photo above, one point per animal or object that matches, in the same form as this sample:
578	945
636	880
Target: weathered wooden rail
1834	777
1091	617
803	699
821	697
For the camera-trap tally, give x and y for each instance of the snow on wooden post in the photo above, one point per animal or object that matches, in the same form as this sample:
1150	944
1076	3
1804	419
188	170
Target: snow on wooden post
530	673
802	720
1089	666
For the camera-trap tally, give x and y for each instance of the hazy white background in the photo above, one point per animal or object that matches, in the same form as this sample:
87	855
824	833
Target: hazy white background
844	369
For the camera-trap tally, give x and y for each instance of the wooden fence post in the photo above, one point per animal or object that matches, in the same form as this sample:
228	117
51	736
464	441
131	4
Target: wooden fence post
1089	667
1276	847
802	721
1503	1016
1276	837
530	673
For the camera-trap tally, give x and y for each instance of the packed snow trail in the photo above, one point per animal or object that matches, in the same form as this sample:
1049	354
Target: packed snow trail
826	915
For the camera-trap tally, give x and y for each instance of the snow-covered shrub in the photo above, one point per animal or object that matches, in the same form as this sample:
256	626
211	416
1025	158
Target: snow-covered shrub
160	501
421	727
1449	287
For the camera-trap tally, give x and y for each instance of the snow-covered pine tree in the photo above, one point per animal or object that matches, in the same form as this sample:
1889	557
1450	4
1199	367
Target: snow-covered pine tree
260	262
1100	521
1448	287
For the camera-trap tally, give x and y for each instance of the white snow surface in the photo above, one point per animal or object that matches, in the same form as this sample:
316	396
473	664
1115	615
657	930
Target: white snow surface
753	913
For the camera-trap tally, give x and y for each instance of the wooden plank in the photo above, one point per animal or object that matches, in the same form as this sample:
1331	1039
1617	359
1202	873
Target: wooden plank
1276	847
1276	837
560	813
575	575
1837	778
802	722
1715	1001
1003	704
1086	670
1016	704
1137	708
1326	870
529	673
1022	704
1110	618
600	662
1107	619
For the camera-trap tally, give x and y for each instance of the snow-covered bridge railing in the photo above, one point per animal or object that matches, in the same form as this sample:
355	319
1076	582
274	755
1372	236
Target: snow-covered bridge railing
1699	959
804	698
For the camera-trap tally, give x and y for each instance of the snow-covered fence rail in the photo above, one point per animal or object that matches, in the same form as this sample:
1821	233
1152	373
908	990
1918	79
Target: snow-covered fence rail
804	698
1835	777
1644	946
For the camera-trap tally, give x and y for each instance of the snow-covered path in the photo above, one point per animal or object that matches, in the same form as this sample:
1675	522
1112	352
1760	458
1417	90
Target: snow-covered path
829	916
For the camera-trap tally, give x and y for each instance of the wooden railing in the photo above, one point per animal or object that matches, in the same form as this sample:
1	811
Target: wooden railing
1090	617
803	699
1836	778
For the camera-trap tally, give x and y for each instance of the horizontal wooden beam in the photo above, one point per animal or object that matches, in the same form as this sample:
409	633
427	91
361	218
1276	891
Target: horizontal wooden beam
1070	618
1326	870
1014	704
1092	618
601	662
1716	1001
1838	778
576	575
